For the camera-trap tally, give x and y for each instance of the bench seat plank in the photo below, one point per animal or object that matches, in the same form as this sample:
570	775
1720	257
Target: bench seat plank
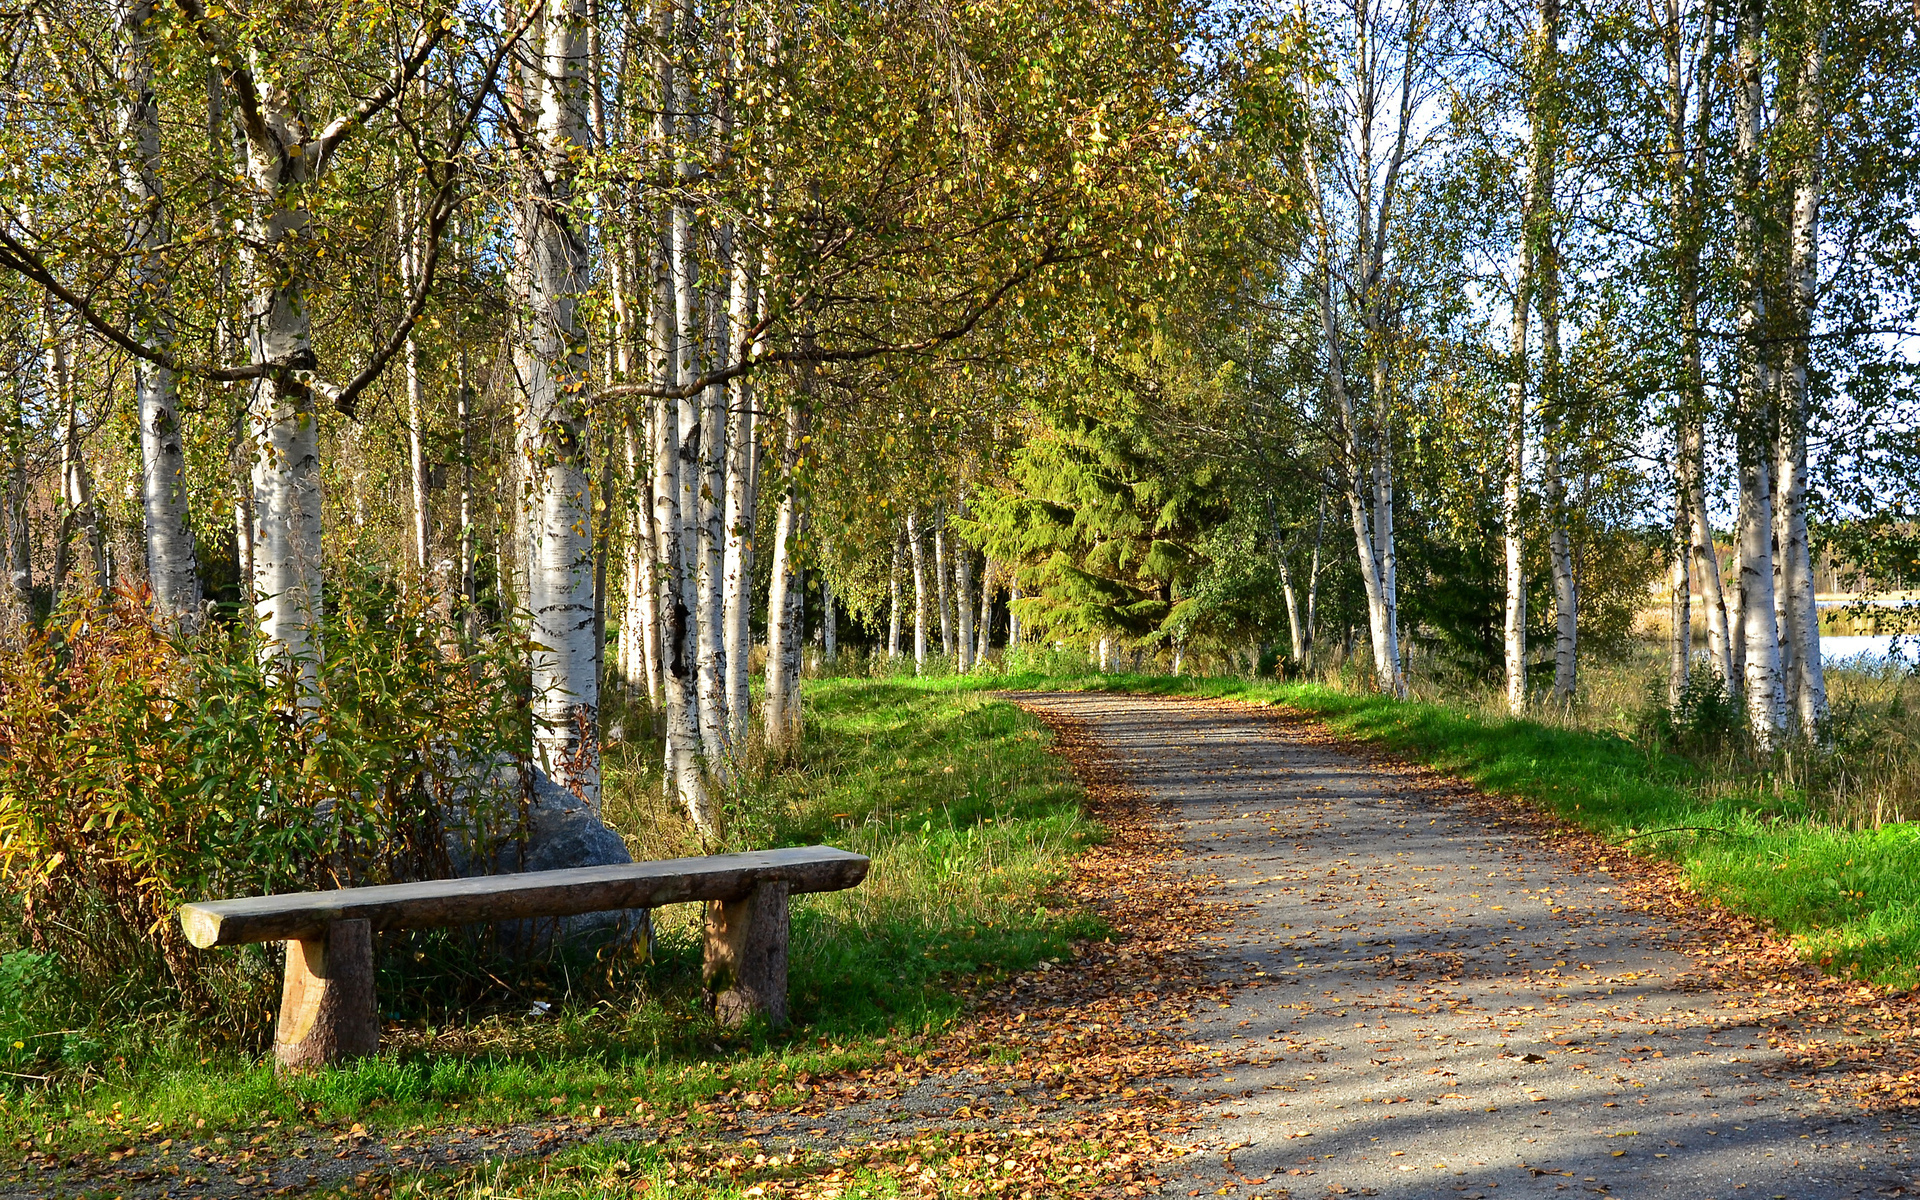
725	877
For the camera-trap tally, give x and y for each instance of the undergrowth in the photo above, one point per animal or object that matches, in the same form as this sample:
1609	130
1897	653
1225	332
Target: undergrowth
969	821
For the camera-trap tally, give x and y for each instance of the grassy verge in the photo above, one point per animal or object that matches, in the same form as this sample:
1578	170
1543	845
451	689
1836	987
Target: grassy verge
969	821
1849	898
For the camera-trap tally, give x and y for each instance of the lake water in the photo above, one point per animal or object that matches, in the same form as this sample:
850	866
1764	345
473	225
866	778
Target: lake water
1871	651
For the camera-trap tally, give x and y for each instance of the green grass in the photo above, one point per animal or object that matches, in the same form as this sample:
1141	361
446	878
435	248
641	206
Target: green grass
1849	898
970	823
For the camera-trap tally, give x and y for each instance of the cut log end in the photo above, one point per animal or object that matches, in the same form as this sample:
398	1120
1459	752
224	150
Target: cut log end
201	927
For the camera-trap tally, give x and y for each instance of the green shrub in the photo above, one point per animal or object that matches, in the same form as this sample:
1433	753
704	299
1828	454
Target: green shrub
140	770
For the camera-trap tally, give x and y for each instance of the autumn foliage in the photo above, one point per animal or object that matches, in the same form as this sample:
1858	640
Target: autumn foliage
140	769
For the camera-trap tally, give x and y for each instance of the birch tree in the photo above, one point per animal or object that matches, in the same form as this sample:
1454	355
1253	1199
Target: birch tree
1382	75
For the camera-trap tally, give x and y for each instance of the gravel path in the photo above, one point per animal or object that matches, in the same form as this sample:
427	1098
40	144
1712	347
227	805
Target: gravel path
1430	1004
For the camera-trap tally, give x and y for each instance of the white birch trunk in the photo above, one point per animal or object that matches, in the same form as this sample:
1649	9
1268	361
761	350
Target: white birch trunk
554	368
963	605
411	255
1801	625
639	625
684	775
19	558
893	595
1544	243
468	581
983	631
919	593
940	571
1756	419
173	570
829	622
1013	613
781	715
1680	583
742	494
1513	486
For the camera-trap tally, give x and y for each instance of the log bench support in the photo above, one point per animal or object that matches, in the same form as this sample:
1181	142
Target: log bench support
326	1001
746	956
327	1004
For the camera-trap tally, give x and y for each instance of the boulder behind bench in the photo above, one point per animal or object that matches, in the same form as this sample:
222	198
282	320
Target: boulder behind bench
327	1008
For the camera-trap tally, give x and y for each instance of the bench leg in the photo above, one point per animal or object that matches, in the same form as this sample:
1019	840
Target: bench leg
326	1003
746	956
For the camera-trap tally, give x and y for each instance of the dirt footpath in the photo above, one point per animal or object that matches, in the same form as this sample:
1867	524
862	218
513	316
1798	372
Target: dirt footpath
1432	999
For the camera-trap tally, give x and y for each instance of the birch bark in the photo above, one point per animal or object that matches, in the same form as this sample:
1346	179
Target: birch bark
893	595
1756	415
782	717
919	593
683	774
742	496
829	623
715	728
411	254
963	605
19	534
940	571
984	630
173	569
554	370
1513	486
1801	627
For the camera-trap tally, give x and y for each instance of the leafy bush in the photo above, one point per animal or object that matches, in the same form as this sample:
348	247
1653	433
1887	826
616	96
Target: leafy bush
140	770
1706	719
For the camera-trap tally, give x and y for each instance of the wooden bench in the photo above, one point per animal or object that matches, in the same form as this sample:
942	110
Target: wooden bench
327	1012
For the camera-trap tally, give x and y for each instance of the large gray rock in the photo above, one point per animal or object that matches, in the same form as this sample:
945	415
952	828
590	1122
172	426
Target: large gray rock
561	832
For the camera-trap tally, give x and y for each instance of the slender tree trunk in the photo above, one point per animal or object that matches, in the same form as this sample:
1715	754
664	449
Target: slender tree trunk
1800	630
914	541
411	254
1376	576
640	629
829	622
1513	490
893	595
940	571
14	502
554	378
1737	610
1313	577
283	425
742	496
796	622
1296	618
173	569
983	632
76	481
1544	239
468	582
782	717
1013	613
1756	417
684	775
963	605
1680	605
